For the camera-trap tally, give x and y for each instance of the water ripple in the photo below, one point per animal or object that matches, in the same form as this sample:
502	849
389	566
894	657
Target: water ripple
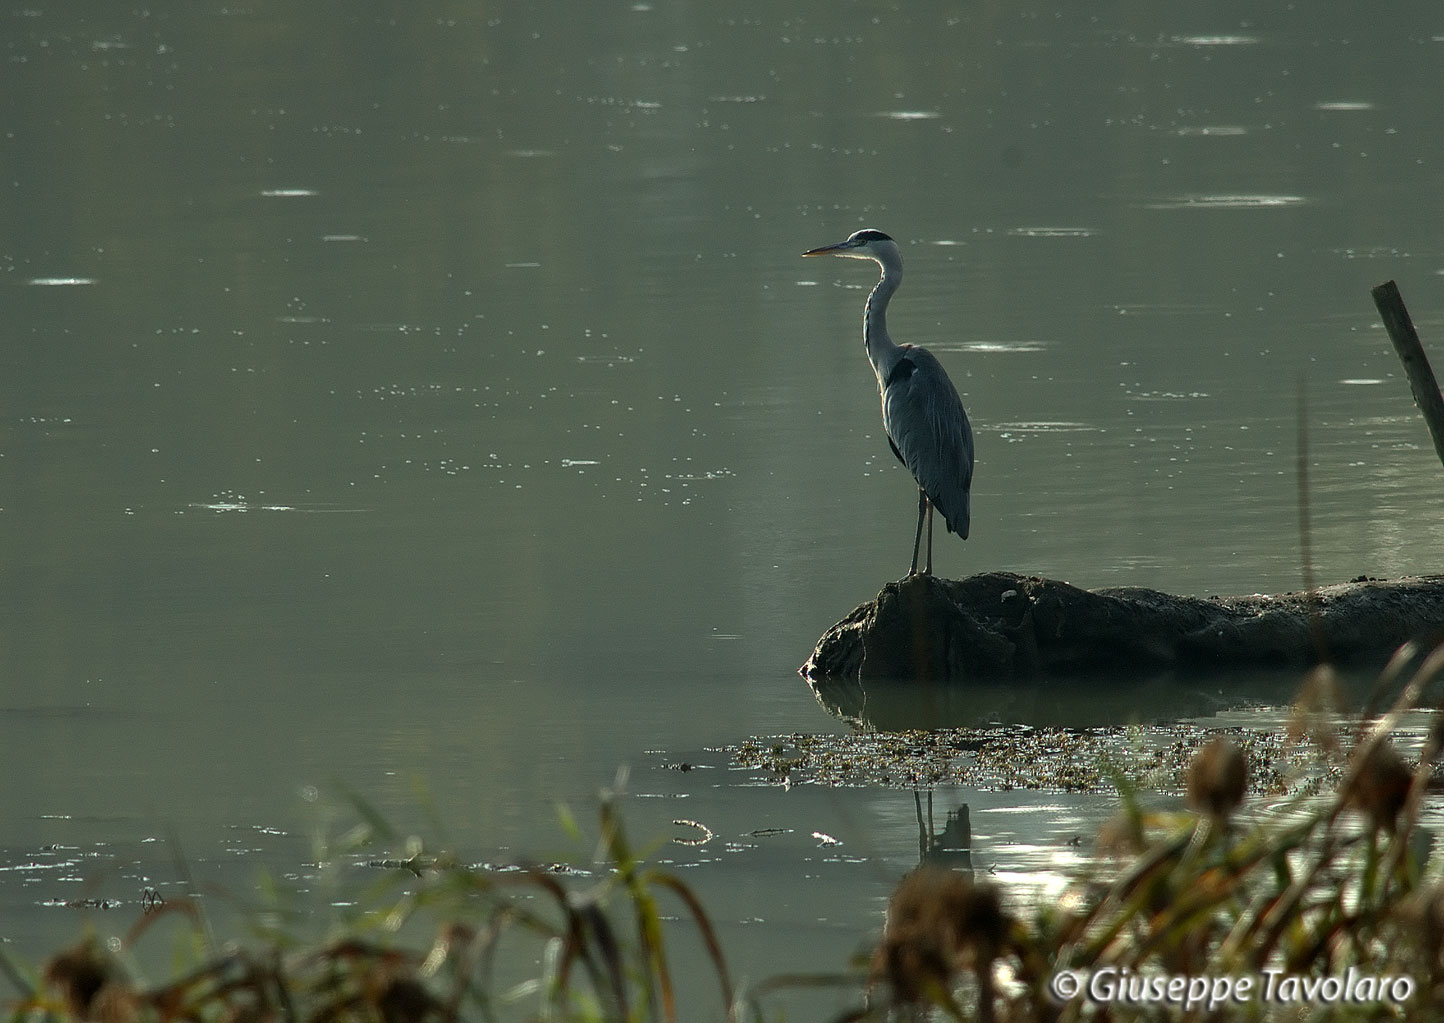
1218	40
1211	130
990	346
1237	201
1052	232
909	115
1044	426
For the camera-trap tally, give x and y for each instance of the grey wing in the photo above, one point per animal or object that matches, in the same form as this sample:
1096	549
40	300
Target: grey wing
929	431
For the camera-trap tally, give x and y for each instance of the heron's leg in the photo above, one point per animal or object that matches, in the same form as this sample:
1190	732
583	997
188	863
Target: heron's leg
929	569
918	539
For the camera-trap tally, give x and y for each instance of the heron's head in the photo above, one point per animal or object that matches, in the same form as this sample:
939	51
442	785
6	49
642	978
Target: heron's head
865	244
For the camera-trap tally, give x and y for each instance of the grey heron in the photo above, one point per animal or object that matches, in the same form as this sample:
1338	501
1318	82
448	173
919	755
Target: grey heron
922	414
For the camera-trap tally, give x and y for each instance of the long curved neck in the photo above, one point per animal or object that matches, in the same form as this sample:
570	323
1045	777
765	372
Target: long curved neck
881	351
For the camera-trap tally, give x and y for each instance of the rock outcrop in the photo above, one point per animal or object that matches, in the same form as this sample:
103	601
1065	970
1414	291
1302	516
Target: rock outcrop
999	625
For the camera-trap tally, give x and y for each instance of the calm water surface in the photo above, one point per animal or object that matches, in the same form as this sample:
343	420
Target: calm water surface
439	405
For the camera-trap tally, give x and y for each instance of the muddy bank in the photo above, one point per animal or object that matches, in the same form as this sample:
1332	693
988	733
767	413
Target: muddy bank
999	625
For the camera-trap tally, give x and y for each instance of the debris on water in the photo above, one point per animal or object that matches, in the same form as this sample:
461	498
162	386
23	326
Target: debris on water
417	864
706	834
82	903
1092	760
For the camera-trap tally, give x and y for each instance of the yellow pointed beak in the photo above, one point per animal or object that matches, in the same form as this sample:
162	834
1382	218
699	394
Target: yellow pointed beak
827	249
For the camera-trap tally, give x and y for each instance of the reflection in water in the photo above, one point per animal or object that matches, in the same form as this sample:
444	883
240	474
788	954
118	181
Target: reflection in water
1064	702
952	847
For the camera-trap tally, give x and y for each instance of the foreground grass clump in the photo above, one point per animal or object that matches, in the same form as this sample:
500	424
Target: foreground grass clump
1313	889
1333	886
422	945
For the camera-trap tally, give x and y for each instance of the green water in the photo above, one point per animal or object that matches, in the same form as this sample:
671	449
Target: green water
439	400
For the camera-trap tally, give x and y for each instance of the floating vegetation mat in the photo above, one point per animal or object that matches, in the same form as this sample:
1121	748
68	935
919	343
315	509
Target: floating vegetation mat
1097	760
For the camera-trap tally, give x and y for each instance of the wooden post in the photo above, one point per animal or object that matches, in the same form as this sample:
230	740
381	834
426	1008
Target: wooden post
1416	364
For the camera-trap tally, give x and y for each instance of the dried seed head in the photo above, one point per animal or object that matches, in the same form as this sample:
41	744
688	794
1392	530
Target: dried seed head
1316	709
1424	914
115	1003
1381	784
1218	777
917	944
979	924
405	999
1121	836
937	921
913	964
77	975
